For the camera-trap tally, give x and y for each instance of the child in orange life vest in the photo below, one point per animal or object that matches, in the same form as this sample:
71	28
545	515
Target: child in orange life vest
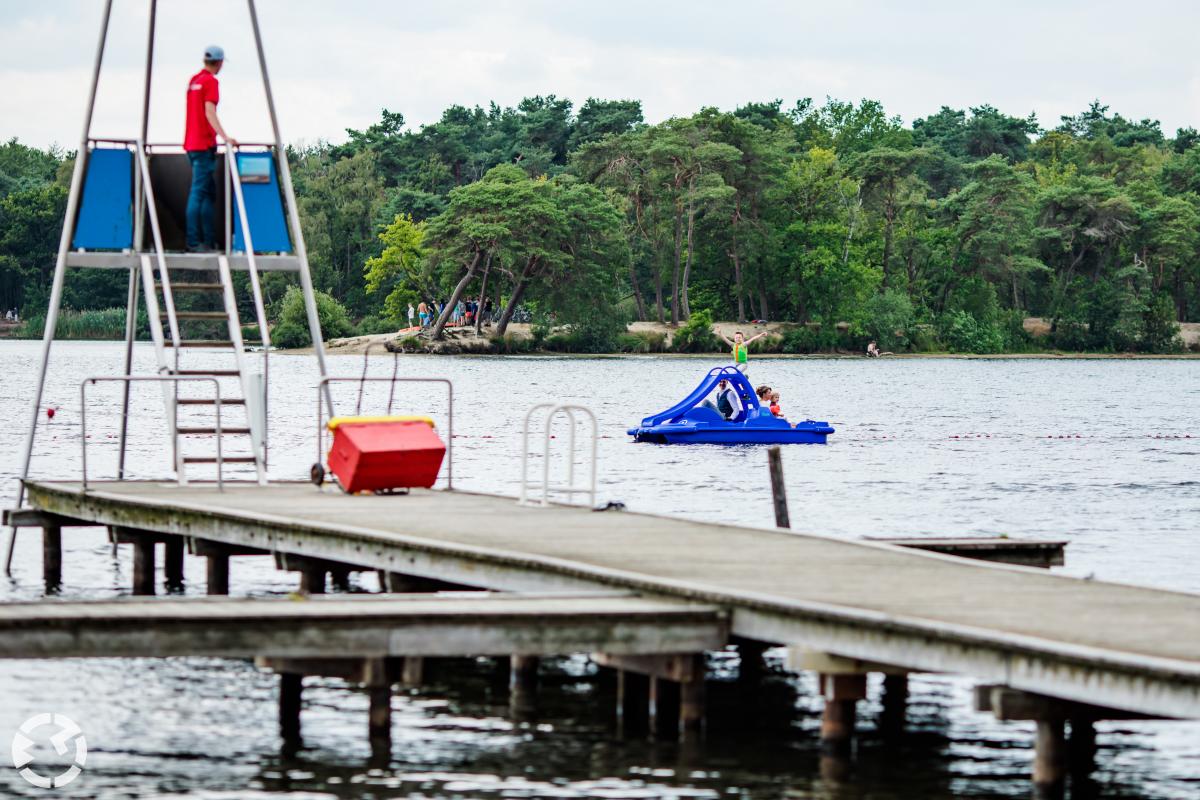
775	411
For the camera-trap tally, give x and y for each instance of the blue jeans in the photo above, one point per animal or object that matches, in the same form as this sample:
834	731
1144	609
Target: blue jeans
201	199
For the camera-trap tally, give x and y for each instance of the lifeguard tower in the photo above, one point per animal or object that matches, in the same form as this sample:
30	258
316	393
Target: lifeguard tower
126	211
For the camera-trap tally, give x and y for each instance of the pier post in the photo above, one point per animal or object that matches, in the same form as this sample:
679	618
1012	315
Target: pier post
522	686
52	556
312	579
379	719
291	685
1049	759
665	717
218	574
412	672
841	693
895	702
633	700
691	698
1081	747
340	578
143	565
173	563
778	488
752	665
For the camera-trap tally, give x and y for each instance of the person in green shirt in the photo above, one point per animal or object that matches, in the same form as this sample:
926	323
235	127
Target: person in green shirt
741	347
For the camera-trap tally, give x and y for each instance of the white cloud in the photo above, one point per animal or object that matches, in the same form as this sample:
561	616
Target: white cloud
335	65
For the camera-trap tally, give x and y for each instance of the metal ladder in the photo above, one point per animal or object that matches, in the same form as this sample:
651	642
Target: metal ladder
245	443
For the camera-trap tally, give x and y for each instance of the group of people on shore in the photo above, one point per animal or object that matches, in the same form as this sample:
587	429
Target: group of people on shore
12	316
464	312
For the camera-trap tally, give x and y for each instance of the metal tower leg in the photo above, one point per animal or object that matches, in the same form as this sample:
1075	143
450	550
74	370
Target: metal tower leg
60	268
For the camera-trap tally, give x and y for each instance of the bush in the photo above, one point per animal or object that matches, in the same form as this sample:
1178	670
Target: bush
696	335
98	323
291	328
1160	331
887	318
962	333
374	323
642	342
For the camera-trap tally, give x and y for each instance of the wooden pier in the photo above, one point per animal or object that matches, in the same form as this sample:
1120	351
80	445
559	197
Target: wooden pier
1074	651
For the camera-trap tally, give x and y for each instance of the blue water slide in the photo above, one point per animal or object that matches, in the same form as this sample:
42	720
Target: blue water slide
714	376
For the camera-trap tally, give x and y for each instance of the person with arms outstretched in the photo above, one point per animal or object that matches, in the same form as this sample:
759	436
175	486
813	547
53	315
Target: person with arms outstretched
741	347
200	143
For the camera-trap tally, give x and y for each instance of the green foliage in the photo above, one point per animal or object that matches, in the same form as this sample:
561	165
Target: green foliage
400	271
963	333
92	323
291	320
943	234
642	342
887	318
696	335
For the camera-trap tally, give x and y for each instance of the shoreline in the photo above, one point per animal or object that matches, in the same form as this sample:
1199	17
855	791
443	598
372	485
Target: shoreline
358	345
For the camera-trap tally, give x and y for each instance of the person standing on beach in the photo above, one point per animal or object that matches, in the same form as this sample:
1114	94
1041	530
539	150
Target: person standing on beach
200	143
423	312
411	312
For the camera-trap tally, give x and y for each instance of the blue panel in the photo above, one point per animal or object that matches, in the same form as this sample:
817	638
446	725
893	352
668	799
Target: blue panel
264	205
105	220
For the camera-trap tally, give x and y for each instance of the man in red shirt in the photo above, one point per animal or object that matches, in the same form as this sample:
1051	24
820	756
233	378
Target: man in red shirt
200	142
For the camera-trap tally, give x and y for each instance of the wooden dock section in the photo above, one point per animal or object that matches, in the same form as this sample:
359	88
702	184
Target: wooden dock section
1071	651
1129	648
369	626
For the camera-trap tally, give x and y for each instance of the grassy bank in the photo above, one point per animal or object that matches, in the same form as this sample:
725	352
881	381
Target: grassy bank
91	324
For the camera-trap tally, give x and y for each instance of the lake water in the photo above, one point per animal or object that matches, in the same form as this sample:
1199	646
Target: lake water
1101	452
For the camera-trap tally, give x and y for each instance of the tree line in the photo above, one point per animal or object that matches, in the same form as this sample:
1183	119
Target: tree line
945	233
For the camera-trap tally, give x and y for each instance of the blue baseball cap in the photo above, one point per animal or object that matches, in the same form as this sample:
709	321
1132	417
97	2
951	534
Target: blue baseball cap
214	53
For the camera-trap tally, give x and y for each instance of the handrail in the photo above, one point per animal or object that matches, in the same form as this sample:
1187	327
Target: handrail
260	311
570	489
323	392
156	232
175	379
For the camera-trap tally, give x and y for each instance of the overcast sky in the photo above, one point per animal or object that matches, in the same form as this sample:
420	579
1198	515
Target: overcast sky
335	65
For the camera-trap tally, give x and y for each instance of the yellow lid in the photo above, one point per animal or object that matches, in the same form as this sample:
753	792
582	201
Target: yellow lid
336	421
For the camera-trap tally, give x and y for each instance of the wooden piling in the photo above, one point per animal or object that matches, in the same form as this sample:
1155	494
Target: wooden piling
751	663
290	688
340	578
173	563
841	693
1050	759
895	702
633	701
312	580
143	565
52	557
377	677
691	703
1081	747
412	673
778	490
665	719
218	574
522	686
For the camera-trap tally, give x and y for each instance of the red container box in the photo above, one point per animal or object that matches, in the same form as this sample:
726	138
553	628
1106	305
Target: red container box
375	453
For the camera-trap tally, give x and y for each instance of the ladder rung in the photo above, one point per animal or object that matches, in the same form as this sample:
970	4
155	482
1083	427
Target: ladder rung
193	287
208	372
221	315
224	460
210	401
211	430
